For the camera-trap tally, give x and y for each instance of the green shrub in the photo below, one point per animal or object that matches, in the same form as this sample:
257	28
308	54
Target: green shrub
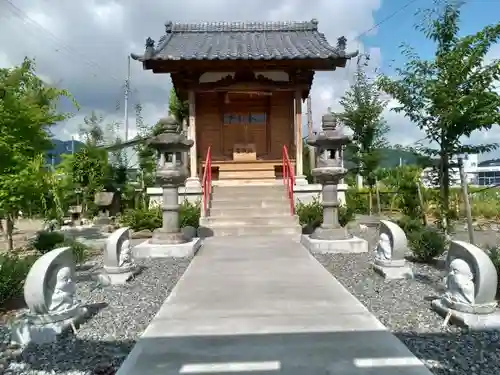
189	214
151	218
141	219
311	214
410	224
494	254
46	241
426	244
13	272
80	250
346	215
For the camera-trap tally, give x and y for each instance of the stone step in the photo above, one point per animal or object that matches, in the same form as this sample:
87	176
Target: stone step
247	174
256	230
250	211
254	182
249	191
243	197
267	220
249	188
268	204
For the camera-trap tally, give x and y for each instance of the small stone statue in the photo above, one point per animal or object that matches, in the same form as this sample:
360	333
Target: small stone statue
384	251
390	252
459	283
125	259
471	286
50	295
119	265
63	297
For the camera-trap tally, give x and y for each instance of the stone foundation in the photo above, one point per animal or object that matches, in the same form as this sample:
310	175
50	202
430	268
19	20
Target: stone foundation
475	322
44	329
393	272
344	246
147	249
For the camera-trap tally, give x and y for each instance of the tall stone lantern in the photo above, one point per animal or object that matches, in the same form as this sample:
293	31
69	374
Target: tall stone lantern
329	144
171	173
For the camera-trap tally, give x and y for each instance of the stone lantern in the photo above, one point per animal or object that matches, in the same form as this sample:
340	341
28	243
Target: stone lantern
171	173
330	170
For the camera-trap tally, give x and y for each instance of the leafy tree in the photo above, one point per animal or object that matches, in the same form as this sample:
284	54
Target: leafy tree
27	111
145	155
178	108
362	113
117	158
89	168
452	95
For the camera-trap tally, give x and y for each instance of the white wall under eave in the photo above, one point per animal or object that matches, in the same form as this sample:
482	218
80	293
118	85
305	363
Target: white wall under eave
302	193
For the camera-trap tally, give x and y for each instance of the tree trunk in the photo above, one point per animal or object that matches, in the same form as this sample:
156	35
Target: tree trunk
370	201
445	191
10	232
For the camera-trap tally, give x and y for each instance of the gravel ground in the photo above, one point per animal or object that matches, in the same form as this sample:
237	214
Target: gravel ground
121	315
404	307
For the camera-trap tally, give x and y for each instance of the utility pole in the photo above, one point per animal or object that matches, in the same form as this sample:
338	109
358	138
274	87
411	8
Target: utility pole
463	181
127	92
72	145
312	157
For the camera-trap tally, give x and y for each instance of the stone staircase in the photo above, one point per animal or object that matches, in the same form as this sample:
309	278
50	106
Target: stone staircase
250	210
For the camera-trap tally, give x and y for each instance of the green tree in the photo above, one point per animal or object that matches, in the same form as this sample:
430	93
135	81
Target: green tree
362	113
27	111
145	155
117	158
452	95
89	168
177	108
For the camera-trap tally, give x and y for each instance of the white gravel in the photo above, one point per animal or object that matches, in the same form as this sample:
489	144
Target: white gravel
103	342
404	307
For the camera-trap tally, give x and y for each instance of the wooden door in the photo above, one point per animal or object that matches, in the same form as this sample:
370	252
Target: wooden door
245	121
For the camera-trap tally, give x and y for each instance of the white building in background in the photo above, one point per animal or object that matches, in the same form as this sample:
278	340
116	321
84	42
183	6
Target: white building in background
486	173
429	175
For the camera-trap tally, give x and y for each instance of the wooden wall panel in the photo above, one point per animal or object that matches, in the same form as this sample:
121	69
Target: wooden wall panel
212	132
282	128
208	125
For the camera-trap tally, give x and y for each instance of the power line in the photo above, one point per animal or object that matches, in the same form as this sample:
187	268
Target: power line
19	13
387	18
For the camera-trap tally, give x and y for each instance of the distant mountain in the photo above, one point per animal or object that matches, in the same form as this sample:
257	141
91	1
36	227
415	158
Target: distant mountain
392	157
61	147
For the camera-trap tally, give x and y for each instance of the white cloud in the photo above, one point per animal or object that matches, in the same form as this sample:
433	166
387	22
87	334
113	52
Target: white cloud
88	54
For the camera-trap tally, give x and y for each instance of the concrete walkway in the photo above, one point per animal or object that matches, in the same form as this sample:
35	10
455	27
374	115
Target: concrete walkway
265	306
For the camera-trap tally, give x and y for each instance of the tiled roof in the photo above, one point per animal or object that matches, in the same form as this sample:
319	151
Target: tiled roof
242	41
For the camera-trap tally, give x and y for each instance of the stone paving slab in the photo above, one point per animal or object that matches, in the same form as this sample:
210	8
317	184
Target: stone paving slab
265	306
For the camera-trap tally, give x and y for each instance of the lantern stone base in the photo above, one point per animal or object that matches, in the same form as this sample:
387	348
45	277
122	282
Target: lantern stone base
397	270
330	234
476	322
341	246
148	249
28	329
162	237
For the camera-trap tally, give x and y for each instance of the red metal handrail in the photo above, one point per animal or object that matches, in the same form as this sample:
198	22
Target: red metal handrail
288	178
206	183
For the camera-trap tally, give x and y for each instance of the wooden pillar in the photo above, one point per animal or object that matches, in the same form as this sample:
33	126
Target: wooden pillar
193	154
298	134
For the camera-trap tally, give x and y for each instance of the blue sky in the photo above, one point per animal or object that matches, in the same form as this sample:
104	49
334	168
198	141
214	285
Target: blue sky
476	14
400	29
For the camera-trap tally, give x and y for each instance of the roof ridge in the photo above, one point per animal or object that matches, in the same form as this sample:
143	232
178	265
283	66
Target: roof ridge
244	26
